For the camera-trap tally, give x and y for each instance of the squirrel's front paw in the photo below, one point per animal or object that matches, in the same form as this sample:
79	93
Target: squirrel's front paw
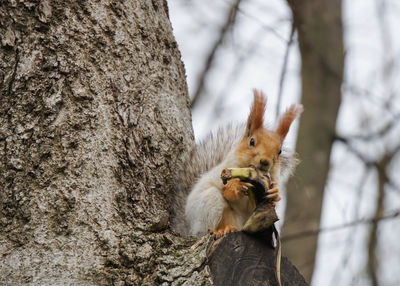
235	189
273	193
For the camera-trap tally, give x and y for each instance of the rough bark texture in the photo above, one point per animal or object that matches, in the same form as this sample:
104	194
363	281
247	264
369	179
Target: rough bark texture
319	28
93	115
243	260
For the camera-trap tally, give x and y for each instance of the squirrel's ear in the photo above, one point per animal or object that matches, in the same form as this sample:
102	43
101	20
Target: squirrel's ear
287	118
256	116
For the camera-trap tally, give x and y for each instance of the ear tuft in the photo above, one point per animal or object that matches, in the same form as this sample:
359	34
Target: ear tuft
287	118
256	116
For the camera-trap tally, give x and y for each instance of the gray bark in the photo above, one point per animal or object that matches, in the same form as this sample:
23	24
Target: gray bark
93	115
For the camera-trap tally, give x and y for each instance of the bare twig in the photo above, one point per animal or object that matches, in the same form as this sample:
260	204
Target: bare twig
391	154
364	93
339	227
268	28
350	242
284	69
372	263
385	129
387	157
358	154
393	185
383	164
229	22
381	167
234	74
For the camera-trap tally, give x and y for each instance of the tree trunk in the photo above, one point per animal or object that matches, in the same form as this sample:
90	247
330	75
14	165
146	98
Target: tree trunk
319	28
93	115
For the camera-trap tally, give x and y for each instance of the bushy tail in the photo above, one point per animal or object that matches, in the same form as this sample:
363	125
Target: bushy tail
207	154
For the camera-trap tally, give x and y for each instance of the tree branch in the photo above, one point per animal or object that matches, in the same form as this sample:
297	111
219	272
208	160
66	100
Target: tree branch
350	241
229	22
284	69
373	238
358	154
385	129
334	228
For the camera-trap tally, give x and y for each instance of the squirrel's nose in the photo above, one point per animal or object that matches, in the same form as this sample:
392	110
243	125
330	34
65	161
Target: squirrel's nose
264	164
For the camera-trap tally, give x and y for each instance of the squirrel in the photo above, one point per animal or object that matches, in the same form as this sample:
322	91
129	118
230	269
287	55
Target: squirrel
212	206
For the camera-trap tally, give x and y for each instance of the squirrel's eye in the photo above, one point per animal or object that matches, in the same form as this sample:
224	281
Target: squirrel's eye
280	151
252	142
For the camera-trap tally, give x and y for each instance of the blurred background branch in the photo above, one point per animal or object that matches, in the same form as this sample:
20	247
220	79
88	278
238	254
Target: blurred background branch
227	26
373	221
284	69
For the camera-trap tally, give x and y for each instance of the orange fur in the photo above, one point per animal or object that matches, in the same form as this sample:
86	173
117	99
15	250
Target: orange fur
287	119
263	155
259	148
226	219
225	226
233	190
266	149
256	116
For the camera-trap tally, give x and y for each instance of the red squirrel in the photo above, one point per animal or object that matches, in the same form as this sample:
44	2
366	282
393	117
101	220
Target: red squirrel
213	206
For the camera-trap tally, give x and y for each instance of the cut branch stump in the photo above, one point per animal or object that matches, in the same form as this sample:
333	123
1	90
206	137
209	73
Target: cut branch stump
243	259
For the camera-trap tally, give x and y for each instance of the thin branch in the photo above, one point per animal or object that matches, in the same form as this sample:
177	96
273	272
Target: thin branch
268	28
350	242
315	232
393	185
384	161
381	166
235	73
372	263
229	22
358	154
378	134
373	98
388	157
284	69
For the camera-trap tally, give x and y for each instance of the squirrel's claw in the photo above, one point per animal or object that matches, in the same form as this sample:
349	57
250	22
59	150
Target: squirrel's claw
217	232
274	197
222	231
235	189
229	228
273	193
212	230
245	187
